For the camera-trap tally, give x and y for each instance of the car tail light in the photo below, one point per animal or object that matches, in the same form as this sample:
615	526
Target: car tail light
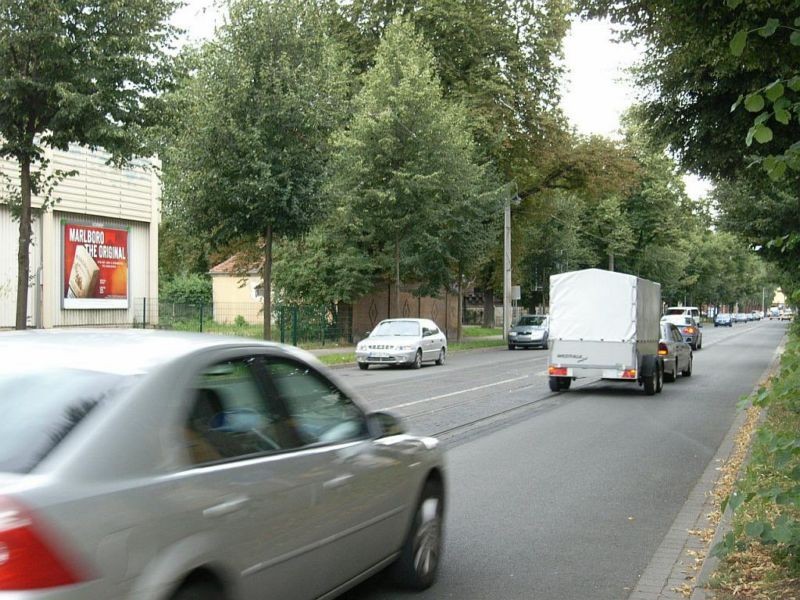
558	371
689	330
663	350
28	558
629	374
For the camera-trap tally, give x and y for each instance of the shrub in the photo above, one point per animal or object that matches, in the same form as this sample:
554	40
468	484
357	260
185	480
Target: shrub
187	289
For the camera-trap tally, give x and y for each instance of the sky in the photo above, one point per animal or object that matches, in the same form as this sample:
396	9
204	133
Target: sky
596	90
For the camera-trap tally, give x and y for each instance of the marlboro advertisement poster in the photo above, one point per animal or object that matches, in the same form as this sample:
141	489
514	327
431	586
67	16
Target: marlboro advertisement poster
95	267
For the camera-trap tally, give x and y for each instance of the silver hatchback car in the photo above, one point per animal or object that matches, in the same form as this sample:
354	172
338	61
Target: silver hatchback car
145	465
406	342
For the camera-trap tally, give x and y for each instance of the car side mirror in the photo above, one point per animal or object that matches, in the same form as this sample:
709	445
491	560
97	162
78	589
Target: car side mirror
384	424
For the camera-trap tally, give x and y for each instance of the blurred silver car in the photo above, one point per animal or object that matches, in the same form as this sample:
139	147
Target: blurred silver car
403	342
530	331
675	353
147	465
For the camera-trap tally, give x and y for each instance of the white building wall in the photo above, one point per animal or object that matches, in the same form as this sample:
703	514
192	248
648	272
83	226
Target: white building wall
97	194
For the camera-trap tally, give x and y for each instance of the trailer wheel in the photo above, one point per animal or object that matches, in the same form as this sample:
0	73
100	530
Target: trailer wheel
564	383
554	385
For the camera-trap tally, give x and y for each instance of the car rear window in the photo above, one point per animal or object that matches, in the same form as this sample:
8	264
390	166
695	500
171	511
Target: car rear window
40	409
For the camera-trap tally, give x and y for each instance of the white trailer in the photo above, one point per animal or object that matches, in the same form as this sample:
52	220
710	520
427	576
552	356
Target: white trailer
604	325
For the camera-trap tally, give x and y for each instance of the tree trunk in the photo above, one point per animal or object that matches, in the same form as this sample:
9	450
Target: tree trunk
488	308
397	278
268	284
23	254
460	301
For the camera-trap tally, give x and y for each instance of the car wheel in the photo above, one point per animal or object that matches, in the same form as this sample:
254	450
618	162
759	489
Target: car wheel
442	357
650	383
699	343
418	563
417	360
670	376
659	379
363	366
511	346
546	344
199	590
688	371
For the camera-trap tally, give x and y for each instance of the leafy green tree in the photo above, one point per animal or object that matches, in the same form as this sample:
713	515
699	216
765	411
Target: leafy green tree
187	289
404	162
250	153
76	71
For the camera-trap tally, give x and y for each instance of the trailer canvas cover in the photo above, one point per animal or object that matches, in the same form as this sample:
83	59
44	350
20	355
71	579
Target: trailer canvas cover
598	305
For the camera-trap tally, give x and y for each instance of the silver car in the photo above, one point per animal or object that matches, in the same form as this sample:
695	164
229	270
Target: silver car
146	465
403	342
674	352
530	331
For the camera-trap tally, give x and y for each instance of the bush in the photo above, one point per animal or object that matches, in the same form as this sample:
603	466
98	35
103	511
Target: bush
187	289
240	321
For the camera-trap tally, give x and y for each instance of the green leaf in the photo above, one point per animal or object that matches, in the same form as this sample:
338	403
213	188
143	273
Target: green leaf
763	117
782	534
782	116
754	529
774	91
734	3
782	103
749	139
724	547
769	28
738	43
794	83
754	102
762	134
778	171
736	104
794	38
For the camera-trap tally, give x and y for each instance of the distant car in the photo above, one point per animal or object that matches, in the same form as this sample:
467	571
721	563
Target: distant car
531	331
690	329
145	464
786	315
676	354
723	320
408	342
739	318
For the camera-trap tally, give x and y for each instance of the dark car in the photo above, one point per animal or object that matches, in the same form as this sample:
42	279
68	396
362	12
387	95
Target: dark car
676	354
531	331
723	320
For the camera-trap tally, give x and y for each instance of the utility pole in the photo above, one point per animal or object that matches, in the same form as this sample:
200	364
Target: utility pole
507	268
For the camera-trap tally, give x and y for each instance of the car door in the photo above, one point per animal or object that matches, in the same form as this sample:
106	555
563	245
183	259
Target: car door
362	503
249	486
682	350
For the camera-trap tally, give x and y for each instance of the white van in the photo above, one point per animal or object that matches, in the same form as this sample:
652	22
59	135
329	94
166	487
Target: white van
685	311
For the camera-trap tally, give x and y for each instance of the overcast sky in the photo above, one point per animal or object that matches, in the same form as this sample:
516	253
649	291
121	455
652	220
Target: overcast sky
596	90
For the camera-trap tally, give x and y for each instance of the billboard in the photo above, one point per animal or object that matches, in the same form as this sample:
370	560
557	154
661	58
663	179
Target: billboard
95	266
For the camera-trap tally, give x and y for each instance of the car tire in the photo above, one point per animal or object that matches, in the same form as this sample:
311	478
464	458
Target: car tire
417	360
659	379
198	590
442	357
688	371
417	566
546	344
363	366
511	346
673	375
700	343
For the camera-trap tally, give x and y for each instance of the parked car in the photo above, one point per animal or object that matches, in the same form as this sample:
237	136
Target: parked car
723	320
786	315
530	331
676	354
145	464
690	329
407	342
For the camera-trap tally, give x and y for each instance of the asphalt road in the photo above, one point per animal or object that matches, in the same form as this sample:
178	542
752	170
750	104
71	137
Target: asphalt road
563	496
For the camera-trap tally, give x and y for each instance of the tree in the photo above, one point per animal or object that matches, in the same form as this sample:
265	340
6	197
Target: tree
250	153
405	162
76	71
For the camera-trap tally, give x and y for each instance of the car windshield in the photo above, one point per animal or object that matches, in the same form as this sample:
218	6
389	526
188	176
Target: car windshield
409	328
41	408
676	311
531	321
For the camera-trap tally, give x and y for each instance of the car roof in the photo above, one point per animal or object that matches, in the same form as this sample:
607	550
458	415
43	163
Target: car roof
120	351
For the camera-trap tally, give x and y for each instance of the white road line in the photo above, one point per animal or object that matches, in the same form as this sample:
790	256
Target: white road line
473	389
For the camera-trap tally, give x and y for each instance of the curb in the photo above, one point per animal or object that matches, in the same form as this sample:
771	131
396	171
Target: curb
667	575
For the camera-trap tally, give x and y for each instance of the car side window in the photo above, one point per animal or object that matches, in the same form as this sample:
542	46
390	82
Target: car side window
321	412
230	415
676	335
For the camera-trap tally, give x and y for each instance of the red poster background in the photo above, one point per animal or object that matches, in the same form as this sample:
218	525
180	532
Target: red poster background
113	280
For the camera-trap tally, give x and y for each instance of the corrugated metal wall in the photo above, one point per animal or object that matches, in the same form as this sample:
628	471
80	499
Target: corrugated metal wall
9	236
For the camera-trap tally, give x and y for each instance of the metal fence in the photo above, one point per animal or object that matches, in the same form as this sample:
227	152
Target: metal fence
291	324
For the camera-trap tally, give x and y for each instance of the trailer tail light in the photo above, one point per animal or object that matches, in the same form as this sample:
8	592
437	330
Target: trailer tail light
663	350
629	374
28	558
558	371
689	330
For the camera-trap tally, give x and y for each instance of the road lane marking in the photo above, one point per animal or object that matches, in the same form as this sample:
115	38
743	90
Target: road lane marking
472	389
